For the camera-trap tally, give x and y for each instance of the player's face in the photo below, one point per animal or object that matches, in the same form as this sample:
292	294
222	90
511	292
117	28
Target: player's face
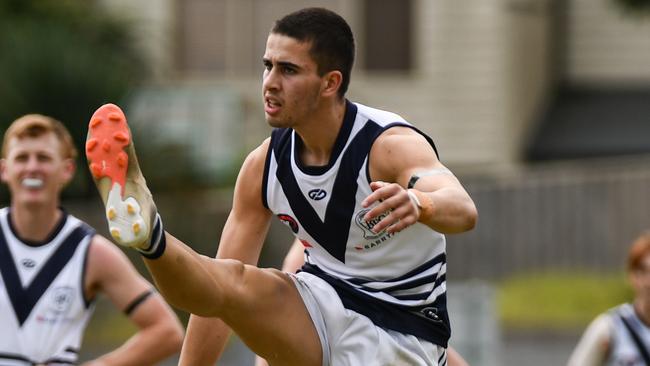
640	278
291	85
35	170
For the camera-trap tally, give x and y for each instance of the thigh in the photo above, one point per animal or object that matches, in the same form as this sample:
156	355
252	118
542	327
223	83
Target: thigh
267	312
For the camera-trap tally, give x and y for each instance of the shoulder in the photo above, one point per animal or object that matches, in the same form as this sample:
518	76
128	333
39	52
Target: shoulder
105	260
398	148
256	159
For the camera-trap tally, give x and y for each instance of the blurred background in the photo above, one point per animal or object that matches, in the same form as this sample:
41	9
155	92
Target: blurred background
540	107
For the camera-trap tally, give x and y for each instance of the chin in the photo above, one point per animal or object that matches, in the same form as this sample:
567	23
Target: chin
275	123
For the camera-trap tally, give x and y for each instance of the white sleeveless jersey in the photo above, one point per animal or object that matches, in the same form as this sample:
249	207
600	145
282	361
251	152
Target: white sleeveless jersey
623	350
322	206
43	311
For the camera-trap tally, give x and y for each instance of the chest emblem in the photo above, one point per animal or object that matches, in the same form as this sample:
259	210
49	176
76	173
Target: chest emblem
317	194
372	239
289	221
28	263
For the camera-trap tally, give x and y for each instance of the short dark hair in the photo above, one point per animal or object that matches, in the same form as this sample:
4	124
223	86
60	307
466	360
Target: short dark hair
332	41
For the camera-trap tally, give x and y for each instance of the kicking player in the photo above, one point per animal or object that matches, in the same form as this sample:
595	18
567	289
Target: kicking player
53	266
361	188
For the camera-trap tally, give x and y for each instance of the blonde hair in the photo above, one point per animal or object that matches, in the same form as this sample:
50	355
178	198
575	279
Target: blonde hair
35	125
640	248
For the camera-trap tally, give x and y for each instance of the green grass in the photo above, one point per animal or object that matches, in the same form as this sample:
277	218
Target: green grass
558	300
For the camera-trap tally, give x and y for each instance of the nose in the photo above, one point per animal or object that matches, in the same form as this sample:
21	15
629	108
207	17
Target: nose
270	79
32	163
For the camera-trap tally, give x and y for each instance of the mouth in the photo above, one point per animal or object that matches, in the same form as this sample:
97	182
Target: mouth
32	183
271	106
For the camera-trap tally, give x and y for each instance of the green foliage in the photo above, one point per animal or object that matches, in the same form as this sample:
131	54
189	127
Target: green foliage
559	300
64	58
635	7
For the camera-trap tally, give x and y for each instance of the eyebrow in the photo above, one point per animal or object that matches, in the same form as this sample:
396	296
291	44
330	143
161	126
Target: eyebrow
282	63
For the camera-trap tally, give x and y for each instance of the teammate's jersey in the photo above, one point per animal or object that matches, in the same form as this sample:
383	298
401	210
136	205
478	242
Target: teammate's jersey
397	280
623	350
43	310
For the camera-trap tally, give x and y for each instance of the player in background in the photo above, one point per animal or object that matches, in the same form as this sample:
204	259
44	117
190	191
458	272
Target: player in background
53	265
621	336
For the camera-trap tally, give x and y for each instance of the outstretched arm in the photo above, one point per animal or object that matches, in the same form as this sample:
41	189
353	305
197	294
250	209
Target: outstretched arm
159	335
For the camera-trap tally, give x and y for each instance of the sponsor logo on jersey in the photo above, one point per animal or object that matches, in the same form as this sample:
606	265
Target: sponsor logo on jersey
289	221
317	194
372	239
61	299
28	263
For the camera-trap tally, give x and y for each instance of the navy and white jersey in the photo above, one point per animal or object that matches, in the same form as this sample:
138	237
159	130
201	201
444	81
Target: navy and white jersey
43	310
397	280
623	350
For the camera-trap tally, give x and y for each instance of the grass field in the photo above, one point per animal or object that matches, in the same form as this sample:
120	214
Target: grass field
558	300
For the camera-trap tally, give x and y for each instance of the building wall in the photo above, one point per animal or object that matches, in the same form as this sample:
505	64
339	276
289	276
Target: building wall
479	73
606	45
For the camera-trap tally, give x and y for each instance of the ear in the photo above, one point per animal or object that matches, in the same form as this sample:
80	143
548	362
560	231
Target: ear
331	83
3	169
69	167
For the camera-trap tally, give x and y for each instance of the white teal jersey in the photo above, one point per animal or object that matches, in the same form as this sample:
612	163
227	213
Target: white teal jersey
43	310
397	280
623	350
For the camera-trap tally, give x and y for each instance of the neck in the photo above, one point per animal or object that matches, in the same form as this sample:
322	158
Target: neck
34	223
319	135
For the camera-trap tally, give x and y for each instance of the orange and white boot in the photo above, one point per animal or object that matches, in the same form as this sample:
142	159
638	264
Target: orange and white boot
132	217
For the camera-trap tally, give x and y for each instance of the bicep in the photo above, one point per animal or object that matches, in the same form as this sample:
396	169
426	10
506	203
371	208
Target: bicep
114	275
400	153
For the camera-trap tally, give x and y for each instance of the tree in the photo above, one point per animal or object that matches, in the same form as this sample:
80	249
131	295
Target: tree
64	58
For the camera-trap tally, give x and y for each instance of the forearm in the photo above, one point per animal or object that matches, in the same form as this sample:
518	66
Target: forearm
447	210
205	340
147	347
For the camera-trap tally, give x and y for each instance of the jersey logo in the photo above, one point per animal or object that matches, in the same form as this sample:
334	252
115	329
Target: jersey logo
61	299
373	239
28	263
289	221
317	194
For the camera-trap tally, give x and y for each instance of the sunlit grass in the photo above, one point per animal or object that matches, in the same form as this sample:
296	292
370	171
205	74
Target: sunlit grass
558	300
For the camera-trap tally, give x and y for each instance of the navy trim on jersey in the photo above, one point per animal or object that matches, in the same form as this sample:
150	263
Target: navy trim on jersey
342	202
265	177
342	137
423	295
429	322
57	229
440	258
15	357
87	301
24	299
72	350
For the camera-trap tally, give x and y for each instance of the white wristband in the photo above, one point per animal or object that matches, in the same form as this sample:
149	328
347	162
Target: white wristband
415	201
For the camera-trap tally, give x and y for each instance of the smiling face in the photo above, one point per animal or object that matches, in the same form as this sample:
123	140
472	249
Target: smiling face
35	169
291	85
